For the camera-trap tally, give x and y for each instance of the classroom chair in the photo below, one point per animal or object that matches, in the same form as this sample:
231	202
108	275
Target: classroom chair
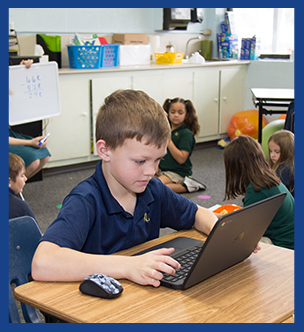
24	234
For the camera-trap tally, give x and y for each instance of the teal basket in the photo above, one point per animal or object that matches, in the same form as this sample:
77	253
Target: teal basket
93	57
110	55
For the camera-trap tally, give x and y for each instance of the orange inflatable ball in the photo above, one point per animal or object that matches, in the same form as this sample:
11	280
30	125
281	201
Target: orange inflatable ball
245	123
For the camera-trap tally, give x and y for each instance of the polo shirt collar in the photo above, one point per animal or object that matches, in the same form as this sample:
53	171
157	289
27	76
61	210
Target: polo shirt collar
183	126
110	203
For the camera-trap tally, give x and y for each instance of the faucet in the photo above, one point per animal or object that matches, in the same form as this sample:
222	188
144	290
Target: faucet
186	55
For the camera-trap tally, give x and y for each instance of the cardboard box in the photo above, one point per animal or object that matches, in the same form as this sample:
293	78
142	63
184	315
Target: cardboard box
130	38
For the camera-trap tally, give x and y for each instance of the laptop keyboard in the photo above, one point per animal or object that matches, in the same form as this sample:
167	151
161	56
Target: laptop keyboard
186	260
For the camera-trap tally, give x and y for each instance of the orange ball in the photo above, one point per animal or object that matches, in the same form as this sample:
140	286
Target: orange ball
245	123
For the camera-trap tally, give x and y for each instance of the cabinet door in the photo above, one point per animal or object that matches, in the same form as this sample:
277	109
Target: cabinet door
70	131
232	94
103	87
163	84
206	102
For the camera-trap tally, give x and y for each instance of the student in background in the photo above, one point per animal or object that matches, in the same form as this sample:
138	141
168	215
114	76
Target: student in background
175	167
16	182
281	156
248	173
122	204
34	155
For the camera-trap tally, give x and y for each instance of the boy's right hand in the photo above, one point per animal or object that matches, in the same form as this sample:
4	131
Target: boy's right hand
147	269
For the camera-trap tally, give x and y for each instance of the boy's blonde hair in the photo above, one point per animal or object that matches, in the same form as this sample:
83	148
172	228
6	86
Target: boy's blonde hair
128	114
15	165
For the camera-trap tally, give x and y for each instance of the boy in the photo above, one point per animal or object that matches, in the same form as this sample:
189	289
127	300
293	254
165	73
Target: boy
16	182
121	204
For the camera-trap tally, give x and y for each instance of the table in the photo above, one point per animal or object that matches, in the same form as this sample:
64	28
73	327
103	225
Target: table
271	97
259	289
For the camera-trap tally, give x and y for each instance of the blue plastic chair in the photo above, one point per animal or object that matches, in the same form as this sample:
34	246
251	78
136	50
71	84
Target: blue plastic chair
24	234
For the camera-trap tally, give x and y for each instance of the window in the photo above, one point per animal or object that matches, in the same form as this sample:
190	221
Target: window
275	27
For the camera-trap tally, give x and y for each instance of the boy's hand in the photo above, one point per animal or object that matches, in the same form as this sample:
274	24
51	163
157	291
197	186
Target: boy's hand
147	269
257	248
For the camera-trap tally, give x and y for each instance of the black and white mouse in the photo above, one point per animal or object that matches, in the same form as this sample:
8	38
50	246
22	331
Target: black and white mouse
101	285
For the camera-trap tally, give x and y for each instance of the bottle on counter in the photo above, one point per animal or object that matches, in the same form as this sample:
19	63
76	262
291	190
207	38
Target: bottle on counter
169	47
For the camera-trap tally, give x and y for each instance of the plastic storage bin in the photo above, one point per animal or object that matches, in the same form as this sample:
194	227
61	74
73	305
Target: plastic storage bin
84	57
93	57
110	55
169	58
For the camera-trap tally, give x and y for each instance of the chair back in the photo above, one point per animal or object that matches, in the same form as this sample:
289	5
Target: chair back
24	234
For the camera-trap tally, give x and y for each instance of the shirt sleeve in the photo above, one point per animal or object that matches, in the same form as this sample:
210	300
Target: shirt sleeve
186	141
178	212
252	196
72	226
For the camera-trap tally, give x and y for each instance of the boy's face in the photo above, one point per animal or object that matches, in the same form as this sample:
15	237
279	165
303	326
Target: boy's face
133	164
17	186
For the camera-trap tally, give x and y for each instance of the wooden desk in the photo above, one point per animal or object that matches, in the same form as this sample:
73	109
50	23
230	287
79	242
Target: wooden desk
270	98
258	290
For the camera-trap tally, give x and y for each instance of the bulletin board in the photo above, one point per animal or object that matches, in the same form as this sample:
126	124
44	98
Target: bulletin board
34	92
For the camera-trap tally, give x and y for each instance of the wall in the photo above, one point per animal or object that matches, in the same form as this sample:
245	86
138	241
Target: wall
86	20
268	74
105	21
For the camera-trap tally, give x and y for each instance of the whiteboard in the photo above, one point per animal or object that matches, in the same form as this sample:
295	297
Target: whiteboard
34	92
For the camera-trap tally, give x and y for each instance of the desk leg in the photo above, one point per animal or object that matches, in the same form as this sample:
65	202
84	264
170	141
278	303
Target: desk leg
260	125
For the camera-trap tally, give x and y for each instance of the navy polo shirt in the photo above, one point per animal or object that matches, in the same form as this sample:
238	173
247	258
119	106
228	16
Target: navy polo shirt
92	221
18	207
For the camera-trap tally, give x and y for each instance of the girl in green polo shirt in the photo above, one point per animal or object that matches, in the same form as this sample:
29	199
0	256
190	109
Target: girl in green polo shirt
249	174
176	167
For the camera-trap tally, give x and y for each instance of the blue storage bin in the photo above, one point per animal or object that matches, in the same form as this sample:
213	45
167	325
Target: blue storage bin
84	57
93	57
110	55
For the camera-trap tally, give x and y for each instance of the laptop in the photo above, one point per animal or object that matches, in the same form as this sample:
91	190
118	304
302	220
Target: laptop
232	240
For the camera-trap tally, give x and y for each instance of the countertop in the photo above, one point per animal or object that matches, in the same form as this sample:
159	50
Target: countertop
154	66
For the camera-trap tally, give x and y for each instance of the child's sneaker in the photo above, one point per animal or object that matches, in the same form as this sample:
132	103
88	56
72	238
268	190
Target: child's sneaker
193	185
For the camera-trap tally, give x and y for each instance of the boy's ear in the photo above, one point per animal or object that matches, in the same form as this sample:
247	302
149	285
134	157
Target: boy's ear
9	182
102	150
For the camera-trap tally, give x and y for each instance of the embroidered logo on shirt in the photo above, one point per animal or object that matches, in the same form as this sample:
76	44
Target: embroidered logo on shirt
176	134
146	217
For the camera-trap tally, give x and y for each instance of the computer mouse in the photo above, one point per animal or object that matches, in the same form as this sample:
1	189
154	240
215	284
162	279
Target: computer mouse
101	285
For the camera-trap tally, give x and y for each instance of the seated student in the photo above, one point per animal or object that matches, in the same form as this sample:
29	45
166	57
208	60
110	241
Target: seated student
175	167
121	204
248	174
281	156
16	182
34	155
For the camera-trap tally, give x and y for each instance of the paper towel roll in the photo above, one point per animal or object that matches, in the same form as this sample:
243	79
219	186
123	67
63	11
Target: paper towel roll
155	45
38	50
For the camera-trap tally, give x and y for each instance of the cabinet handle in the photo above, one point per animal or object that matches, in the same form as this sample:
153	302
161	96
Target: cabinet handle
225	98
84	114
216	99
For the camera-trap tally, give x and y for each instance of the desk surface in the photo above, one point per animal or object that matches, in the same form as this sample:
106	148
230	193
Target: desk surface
260	289
273	94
